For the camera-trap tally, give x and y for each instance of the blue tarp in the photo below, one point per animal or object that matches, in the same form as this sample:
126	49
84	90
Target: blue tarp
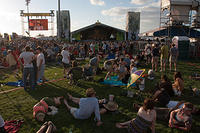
114	82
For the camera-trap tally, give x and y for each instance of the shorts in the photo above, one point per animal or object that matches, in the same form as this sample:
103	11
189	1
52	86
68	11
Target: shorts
66	65
155	59
41	72
73	111
172	59
163	60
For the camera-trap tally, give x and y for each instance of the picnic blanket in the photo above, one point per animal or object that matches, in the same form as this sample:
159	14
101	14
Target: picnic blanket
114	82
18	83
13	126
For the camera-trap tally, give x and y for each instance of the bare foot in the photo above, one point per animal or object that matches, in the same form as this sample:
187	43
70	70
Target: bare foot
65	102
70	96
118	125
53	126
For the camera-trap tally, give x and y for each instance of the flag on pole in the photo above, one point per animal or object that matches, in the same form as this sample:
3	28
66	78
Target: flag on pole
135	76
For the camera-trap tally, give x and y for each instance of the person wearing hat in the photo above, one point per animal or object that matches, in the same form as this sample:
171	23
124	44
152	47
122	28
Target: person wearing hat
87	106
65	60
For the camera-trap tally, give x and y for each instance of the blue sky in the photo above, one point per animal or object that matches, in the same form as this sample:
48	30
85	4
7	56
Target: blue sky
83	12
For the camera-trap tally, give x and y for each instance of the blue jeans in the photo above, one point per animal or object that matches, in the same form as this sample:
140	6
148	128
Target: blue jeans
29	72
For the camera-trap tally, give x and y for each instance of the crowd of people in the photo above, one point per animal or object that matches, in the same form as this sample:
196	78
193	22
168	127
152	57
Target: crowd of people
31	55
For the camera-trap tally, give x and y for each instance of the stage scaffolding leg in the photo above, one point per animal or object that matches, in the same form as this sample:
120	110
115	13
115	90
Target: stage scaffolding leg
52	26
22	23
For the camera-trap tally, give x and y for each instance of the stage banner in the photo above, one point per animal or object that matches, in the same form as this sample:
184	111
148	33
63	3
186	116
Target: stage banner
38	24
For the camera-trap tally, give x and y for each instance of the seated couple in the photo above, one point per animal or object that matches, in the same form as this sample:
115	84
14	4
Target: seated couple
172	89
90	105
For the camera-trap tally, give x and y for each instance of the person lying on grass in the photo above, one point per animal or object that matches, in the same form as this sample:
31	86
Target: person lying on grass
182	118
46	106
144	121
87	106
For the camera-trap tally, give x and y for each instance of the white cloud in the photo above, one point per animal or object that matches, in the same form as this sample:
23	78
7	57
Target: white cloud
97	2
149	15
140	2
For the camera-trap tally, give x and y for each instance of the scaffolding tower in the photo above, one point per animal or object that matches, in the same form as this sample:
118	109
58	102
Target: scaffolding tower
183	14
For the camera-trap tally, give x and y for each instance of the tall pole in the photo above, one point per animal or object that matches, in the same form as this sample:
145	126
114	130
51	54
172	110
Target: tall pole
27	5
59	21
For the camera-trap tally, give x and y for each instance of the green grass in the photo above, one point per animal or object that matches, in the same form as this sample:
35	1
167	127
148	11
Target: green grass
18	104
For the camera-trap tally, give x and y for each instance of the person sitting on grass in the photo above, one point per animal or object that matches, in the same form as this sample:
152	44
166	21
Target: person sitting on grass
87	106
47	127
109	67
94	63
87	72
178	85
122	70
166	84
46	106
2	123
144	121
75	73
182	118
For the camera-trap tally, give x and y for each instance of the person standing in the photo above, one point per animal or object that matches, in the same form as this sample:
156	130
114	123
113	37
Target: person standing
155	57
173	57
65	60
164	56
40	64
148	53
28	57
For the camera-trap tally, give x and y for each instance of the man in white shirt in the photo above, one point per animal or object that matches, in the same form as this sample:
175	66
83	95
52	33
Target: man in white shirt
65	60
40	64
28	57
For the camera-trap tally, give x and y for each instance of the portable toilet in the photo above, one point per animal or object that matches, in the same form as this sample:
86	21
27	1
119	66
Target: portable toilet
183	45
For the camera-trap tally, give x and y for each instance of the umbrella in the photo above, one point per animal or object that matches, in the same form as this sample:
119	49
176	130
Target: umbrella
135	76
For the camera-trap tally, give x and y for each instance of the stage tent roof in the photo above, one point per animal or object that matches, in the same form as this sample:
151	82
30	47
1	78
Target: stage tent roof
177	31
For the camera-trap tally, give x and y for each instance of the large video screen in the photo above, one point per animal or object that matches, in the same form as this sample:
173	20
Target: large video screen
38	24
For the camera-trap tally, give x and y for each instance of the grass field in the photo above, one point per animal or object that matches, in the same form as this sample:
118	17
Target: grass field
18	104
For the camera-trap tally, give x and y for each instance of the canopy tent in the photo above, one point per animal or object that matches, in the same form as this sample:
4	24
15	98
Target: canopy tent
177	31
99	31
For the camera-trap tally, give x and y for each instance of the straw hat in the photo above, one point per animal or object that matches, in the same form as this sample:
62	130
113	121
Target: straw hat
90	92
111	106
